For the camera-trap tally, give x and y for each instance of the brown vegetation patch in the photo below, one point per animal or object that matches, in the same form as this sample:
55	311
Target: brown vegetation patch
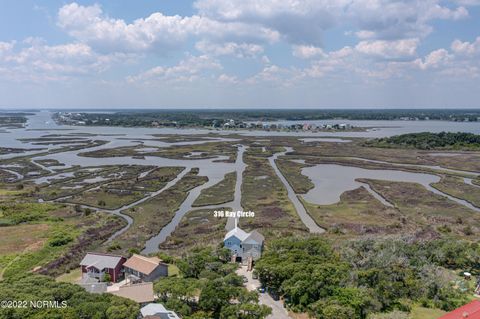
15	239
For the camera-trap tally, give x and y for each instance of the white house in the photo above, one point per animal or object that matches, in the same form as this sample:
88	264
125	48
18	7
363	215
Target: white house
243	244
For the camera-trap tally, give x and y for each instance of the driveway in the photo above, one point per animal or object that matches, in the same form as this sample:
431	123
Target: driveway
278	311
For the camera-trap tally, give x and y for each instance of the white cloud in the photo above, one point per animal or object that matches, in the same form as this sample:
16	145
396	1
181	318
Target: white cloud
188	70
155	32
466	48
6	47
275	75
389	49
391	19
229	79
303	22
39	62
299	22
239	50
434	59
307	51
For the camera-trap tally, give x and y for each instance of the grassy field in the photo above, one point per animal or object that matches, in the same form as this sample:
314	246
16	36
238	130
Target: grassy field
173	270
25	237
205	150
72	276
468	161
150	216
48	238
82	180
127	188
357	213
106	197
456	187
264	193
347	161
426	313
428	210
198	227
292	171
220	193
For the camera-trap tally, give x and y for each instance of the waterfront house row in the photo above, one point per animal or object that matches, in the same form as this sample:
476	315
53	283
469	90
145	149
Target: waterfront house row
108	267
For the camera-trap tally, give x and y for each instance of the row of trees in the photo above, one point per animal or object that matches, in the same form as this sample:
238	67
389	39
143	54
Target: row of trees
365	277
427	141
209	288
206	117
78	302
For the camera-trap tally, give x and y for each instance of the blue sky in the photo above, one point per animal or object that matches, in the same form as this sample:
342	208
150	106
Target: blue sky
240	53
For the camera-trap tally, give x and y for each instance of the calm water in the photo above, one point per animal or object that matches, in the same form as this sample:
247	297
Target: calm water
152	244
331	180
304	216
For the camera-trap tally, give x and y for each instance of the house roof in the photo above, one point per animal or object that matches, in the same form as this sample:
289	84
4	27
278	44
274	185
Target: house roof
140	293
152	309
237	232
256	236
470	311
145	265
101	261
244	236
157	310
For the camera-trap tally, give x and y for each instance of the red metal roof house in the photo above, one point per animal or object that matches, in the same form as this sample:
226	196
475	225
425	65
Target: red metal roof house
468	311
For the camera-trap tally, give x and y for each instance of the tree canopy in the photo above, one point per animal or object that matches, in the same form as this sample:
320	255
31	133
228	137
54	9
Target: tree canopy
79	303
428	141
362	277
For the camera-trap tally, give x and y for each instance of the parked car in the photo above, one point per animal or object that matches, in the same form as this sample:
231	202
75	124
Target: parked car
245	279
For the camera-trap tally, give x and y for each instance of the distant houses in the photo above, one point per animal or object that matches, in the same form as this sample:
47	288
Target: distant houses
244	245
141	268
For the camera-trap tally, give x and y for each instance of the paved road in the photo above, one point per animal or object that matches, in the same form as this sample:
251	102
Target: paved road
278	311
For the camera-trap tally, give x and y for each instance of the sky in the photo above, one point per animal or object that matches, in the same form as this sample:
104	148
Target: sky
240	54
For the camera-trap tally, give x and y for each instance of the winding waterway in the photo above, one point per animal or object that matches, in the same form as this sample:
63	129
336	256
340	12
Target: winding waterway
330	180
152	244
301	211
